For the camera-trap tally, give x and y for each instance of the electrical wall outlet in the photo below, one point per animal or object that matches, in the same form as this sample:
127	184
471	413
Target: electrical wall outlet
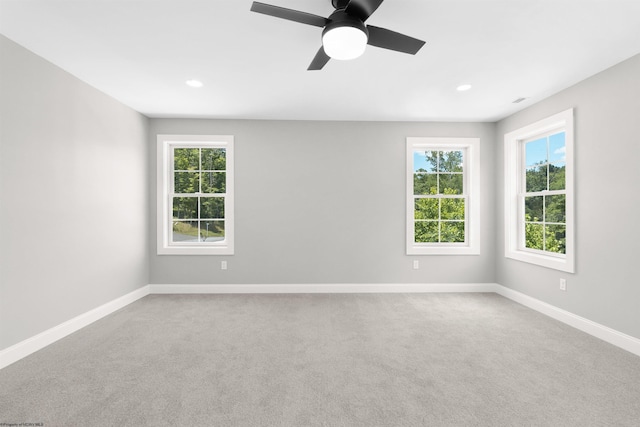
563	284
223	265
416	264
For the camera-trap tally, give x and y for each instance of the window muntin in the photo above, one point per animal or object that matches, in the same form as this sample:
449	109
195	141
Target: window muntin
195	196
439	199
544	193
442	201
539	197
198	196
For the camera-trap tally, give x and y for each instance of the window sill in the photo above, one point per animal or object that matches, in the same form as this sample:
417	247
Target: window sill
191	250
556	263
442	250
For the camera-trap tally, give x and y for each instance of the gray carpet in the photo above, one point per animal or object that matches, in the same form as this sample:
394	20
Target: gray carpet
325	360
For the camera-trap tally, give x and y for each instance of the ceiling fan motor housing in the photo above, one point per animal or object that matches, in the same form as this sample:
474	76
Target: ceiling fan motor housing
340	18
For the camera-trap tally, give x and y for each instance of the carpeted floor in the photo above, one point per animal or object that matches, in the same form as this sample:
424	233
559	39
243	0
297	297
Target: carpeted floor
324	360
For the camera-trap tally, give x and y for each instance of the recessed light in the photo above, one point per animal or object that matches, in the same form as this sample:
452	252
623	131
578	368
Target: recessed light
194	83
463	87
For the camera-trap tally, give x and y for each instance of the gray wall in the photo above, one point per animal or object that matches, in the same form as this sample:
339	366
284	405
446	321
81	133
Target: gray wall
605	287
324	202
73	187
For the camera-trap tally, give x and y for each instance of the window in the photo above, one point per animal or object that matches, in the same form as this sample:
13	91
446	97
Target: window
443	211
195	195
539	193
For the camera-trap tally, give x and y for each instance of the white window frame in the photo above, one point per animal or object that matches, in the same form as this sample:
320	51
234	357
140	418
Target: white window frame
514	168
471	192
165	145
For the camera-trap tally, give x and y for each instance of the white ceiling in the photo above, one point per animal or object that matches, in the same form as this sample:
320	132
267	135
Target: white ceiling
255	66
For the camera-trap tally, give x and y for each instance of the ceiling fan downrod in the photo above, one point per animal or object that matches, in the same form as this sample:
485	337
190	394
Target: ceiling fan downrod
339	4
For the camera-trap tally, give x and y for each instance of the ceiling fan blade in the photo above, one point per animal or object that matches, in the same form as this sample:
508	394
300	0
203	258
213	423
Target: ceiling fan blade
362	9
319	60
290	14
387	39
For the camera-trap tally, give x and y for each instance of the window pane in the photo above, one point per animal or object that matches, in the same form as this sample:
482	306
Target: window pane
533	208
533	236
555	238
557	176
452	208
424	161
426	231
450	161
185	208
426	209
536	152
214	182
452	232
557	147
425	183
214	159
184	231
212	231
186	159
536	178
186	182
555	208
211	207
450	184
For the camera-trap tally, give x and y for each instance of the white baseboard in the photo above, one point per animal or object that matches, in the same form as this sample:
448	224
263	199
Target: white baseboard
329	288
626	342
31	345
37	342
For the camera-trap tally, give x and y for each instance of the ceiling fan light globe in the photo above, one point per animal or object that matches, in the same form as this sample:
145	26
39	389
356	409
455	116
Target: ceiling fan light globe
344	42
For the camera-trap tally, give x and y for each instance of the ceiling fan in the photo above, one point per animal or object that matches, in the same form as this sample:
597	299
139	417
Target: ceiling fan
345	36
